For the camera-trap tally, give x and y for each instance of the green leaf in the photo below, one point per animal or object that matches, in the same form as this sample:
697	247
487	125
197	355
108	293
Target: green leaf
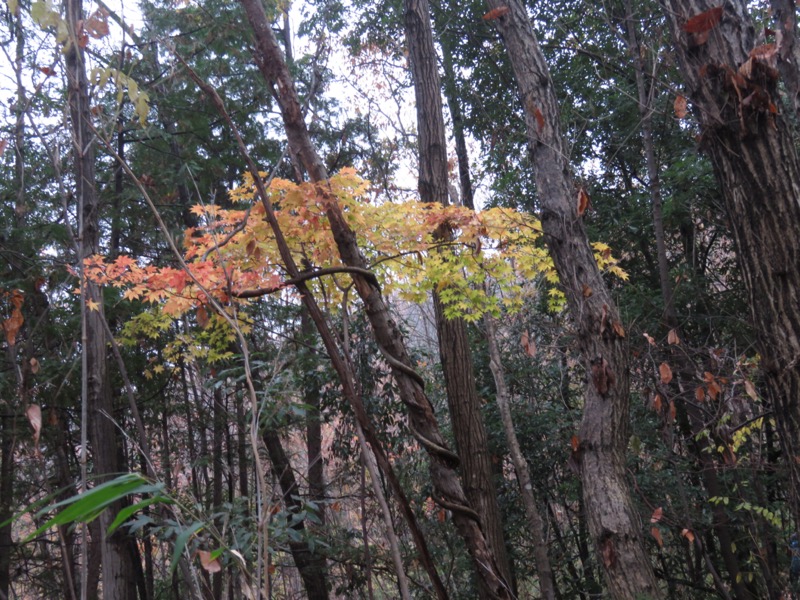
86	507
180	543
126	512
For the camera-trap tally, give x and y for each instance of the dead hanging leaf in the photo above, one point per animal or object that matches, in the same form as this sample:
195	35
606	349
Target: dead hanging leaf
528	345
650	339
680	107
656	533
587	291
97	24
750	389
212	565
539	119
672	338
708	377
496	13
12	325
83	38
767	53
34	366
583	201
658	402
687	533
705	21
700	393
441	516
251	247
619	329
673	411
657	514
714	390
575	442
34	414
602	376
202	317
665	372
608	552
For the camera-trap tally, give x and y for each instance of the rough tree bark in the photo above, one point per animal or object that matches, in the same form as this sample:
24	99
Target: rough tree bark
686	369
469	430
448	491
603	437
118	574
733	89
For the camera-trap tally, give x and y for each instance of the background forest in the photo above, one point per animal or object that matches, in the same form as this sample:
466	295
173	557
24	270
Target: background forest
397	300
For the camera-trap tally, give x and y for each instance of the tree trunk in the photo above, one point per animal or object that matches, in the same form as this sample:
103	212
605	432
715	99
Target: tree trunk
535	521
310	564
613	522
448	491
311	397
469	430
117	566
686	369
755	162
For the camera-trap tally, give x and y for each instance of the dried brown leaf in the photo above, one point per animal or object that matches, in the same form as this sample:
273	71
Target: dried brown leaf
34	414
665	372
680	107
212	565
528	345
657	514
608	552
656	533
705	21
583	201
672	338
496	13
97	24
539	119
658	402
750	389
687	533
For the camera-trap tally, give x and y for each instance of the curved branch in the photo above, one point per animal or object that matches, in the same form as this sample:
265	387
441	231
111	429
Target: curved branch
257	293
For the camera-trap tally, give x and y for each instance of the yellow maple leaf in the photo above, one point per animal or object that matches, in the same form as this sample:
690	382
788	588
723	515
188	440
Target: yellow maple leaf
92	305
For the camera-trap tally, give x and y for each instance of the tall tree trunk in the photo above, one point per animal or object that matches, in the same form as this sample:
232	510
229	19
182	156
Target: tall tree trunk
311	397
448	491
117	566
310	564
613	522
469	430
454	106
535	521
686	369
217	456
755	162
